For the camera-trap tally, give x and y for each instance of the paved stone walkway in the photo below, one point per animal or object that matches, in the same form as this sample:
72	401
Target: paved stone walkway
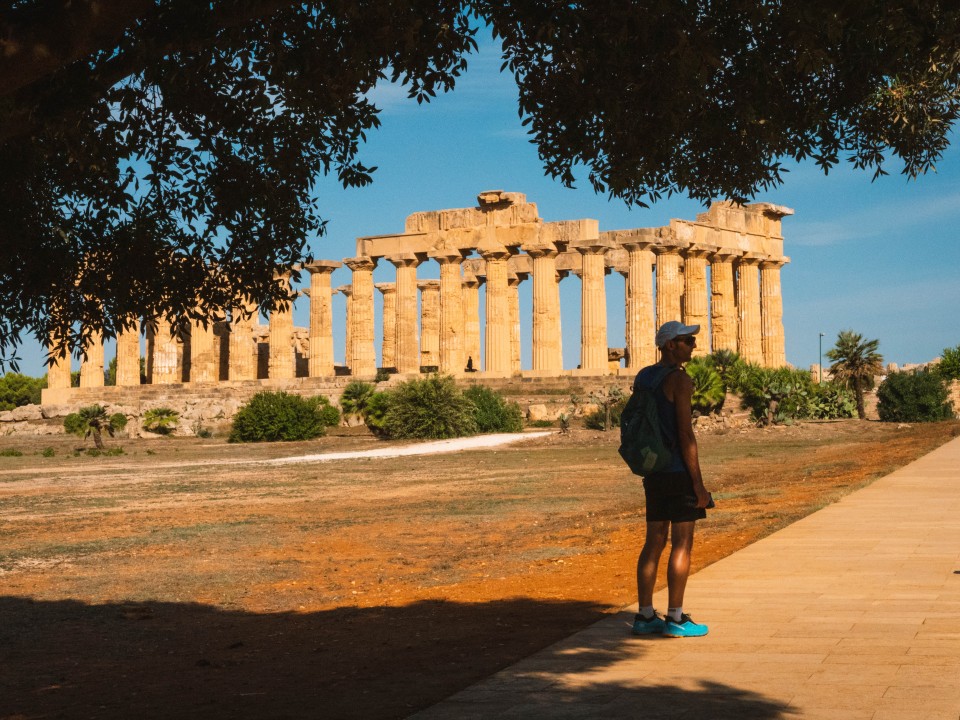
852	612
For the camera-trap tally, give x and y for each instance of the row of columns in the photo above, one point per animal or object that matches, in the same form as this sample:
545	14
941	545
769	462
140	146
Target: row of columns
745	314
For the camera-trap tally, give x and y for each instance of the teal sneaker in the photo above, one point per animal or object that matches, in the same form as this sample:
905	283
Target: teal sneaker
685	628
653	626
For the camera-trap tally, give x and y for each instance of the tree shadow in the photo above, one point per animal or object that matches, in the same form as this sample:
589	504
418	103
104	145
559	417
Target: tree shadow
168	660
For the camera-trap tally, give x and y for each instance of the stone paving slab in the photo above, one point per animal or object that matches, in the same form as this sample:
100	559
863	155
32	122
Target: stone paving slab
852	612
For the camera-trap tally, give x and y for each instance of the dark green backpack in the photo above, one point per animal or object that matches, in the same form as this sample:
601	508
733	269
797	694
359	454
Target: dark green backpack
642	445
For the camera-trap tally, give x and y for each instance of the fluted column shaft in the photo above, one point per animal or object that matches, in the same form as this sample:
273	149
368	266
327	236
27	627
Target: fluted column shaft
513	297
203	361
429	323
497	330
407	353
748	310
640	330
471	321
593	313
669	284
242	361
165	368
128	355
723	309
695	305
389	343
362	317
545	336
58	371
91	366
281	365
321	318
771	313
451	314
347	292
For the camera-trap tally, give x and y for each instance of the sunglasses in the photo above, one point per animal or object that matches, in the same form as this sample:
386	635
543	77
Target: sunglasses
687	340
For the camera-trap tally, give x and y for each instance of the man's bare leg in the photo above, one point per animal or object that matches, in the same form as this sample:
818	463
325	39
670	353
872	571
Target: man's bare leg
678	566
649	560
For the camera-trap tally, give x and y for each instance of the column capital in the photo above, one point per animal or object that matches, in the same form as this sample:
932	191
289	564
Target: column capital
446	256
470	280
406	259
428	285
696	251
360	263
666	249
750	259
724	255
592	247
634	245
495	253
346	290
542	250
774	263
386	288
322	266
515	278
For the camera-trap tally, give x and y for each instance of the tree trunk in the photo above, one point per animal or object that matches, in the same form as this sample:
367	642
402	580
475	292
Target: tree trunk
858	391
97	439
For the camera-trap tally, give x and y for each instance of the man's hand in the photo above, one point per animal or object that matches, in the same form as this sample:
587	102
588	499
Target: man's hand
703	497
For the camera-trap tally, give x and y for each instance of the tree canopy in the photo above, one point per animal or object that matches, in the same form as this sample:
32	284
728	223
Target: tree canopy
158	157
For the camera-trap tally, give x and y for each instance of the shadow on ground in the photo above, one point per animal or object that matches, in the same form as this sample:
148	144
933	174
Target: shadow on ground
167	660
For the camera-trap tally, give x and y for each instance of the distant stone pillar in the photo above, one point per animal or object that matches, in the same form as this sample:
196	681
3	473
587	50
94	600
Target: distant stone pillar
389	343
497	335
723	310
362	317
347	292
513	296
429	323
321	318
242	361
91	366
128	355
593	314
748	309
204	367
771	313
281	365
407	353
695	306
545	337
166	368
669	283
451	312
471	320
640	330
58	371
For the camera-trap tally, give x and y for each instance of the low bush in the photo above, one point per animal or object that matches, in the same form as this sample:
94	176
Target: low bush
709	390
429	408
162	421
829	401
11	452
597	420
118	421
492	413
355	396
273	416
542	423
48	452
914	397
375	413
949	365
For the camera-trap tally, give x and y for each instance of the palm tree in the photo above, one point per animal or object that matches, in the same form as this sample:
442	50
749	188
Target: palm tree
855	363
92	420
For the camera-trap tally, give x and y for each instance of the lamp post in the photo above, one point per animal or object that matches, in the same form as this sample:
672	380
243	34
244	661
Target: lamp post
820	364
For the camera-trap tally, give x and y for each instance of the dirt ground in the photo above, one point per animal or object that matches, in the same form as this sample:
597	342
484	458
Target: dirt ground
182	579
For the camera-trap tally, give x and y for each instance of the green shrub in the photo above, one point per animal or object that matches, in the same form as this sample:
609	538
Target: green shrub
382	375
492	412
431	407
11	452
709	389
375	413
91	420
272	416
17	390
829	401
597	420
75	424
914	397
162	421
949	365
542	423
118	421
355	396
773	395
48	452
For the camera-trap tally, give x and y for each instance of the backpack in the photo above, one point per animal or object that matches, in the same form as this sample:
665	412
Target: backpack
642	445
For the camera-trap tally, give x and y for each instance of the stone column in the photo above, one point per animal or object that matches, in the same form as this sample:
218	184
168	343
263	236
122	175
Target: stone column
362	317
748	310
58	371
513	296
91	366
640	330
497	330
128	355
347	292
321	318
471	320
593	313
203	360
242	361
771	313
282	365
723	308
451	312
669	283
695	306
429	323
407	353
545	336
389	344
166	368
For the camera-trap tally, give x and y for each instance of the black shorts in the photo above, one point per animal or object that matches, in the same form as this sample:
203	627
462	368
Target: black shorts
670	497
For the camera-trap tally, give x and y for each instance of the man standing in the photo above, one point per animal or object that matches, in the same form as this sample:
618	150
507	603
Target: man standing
676	497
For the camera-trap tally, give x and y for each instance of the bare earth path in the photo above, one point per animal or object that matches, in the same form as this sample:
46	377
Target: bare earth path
166	583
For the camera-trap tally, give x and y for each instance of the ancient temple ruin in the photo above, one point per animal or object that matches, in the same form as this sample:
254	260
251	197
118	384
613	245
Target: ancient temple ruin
720	271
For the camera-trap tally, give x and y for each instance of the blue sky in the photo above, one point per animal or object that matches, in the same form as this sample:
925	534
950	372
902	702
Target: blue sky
880	258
